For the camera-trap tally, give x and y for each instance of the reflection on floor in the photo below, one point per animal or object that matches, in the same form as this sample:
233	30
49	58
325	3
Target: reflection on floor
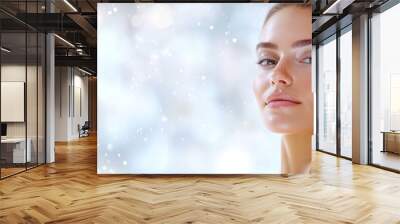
387	159
10	168
70	191
10	171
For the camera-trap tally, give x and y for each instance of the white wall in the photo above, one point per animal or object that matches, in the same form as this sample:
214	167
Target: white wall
16	73
33	127
12	73
61	103
70	83
79	117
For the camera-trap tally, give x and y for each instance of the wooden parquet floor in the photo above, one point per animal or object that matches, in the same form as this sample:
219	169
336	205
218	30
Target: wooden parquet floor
70	191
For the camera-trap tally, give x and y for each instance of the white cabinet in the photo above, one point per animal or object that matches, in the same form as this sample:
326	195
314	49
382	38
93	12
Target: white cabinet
19	154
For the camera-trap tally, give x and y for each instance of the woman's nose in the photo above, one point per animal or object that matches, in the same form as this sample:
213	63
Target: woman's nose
280	76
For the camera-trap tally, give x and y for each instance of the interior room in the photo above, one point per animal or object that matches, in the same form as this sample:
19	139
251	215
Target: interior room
137	111
385	89
22	101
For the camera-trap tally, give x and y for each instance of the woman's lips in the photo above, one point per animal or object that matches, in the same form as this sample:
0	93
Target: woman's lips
281	103
277	100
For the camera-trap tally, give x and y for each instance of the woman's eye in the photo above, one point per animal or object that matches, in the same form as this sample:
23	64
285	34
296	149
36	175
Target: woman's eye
306	60
267	62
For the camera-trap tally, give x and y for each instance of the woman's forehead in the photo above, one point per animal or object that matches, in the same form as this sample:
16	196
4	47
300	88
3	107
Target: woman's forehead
287	26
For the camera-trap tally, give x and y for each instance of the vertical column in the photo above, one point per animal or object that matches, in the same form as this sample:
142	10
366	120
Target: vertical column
338	76
50	92
360	90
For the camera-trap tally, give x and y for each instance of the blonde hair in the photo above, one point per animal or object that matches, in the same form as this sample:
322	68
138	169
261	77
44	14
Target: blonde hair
276	8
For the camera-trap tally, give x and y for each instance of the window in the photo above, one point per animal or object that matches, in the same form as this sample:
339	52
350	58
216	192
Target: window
346	94
385	89
327	97
22	78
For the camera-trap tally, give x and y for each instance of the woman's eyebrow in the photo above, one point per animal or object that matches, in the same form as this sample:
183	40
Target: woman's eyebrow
266	45
302	43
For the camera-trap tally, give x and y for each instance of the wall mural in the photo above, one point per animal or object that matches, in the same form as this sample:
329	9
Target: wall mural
204	88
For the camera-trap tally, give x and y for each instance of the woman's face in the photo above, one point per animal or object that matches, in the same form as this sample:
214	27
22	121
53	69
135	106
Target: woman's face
283	86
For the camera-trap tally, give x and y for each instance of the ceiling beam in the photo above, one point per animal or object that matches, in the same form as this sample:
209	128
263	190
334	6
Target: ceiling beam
86	26
337	7
82	61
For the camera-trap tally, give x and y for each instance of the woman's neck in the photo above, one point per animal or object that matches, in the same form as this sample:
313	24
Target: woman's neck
296	154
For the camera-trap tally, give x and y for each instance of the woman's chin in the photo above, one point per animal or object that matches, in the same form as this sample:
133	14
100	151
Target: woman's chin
280	130
287	123
287	128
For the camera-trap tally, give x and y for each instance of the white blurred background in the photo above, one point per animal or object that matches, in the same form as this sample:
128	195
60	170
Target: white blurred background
175	90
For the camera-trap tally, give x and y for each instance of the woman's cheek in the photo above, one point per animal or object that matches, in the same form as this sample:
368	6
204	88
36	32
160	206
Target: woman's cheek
259	87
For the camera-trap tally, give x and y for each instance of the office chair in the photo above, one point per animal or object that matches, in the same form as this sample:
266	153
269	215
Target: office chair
84	130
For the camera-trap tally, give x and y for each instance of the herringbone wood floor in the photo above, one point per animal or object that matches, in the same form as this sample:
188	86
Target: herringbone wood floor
70	191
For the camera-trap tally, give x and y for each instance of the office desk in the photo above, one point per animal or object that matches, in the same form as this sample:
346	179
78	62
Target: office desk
391	141
17	150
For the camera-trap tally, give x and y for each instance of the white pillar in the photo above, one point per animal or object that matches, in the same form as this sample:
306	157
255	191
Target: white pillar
360	90
50	92
50	99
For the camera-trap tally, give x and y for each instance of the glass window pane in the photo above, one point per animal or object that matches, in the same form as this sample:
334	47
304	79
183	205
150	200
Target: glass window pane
41	98
32	94
385	86
14	153
22	90
327	97
346	94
